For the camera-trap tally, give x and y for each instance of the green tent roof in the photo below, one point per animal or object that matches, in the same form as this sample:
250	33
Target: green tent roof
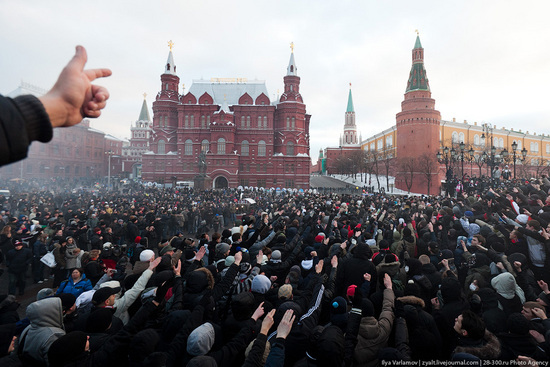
144	114
350	103
417	44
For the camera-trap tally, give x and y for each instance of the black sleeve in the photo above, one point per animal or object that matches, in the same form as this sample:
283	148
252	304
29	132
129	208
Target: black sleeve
22	120
256	354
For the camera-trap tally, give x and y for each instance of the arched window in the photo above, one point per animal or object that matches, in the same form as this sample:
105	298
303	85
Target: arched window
242	121
192	120
205	145
372	146
389	141
380	144
189	147
476	139
547	148
293	122
245	148
247	121
208	120
161	147
461	138
455	137
290	148
261	148
501	142
519	144
265	121
203	121
288	122
221	146
259	121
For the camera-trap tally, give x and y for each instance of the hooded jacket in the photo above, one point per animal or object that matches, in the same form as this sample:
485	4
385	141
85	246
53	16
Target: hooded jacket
374	334
351	270
46	317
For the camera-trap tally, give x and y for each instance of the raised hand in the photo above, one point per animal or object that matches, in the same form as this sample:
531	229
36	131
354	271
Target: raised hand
73	96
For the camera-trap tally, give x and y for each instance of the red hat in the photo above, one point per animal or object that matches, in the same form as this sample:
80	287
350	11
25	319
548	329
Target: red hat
350	234
351	290
137	240
319	238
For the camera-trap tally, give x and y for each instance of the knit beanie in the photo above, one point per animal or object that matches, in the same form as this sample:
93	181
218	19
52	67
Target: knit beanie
146	255
367	308
201	339
276	255
517	324
99	320
260	284
67	300
67	348
338	305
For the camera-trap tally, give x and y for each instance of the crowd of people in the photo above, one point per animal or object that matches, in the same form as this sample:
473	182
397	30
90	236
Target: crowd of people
161	277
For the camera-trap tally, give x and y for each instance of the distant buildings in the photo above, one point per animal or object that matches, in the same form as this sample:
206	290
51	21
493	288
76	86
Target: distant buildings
229	132
410	147
73	153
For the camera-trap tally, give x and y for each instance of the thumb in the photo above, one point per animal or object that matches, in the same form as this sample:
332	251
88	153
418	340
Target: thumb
79	59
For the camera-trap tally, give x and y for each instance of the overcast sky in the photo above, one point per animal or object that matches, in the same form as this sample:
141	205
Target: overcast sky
487	61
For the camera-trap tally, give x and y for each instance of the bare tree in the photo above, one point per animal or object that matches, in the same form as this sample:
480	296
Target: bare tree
387	160
406	171
374	157
428	167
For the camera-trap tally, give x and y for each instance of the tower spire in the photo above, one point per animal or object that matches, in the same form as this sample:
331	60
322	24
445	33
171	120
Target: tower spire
292	69
144	113
418	79
170	67
350	101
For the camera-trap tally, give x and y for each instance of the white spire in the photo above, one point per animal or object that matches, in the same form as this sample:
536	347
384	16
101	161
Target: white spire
170	67
292	69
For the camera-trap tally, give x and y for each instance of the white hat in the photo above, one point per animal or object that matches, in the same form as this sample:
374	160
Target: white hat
146	255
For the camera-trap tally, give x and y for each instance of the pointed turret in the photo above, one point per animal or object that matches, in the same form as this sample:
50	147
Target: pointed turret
170	67
169	80
350	102
292	69
418	80
350	129
144	113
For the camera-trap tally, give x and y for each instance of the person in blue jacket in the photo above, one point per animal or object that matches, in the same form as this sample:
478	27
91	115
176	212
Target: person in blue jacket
76	284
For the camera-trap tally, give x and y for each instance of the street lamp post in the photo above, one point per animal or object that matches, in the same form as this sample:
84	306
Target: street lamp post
462	146
109	154
514	149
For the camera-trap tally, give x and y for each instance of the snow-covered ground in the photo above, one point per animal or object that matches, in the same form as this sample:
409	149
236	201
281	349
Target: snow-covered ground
370	180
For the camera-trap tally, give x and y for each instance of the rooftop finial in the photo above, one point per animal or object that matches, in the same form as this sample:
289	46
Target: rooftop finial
144	95
417	33
350	85
170	44
292	47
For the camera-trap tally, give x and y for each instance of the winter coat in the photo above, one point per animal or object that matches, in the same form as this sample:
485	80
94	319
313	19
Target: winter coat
71	257
488	348
8	310
69	286
59	254
351	271
374	334
46	318
513	345
18	260
424	337
122	304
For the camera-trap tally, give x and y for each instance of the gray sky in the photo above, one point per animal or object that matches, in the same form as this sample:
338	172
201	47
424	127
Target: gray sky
487	61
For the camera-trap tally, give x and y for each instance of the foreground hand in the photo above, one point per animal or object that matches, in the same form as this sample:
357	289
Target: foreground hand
259	312
73	96
268	322
286	324
154	263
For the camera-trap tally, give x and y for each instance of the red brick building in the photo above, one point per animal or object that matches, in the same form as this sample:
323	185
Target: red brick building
231	124
79	151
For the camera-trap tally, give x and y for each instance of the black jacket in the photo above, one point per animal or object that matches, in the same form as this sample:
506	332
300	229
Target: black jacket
22	120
